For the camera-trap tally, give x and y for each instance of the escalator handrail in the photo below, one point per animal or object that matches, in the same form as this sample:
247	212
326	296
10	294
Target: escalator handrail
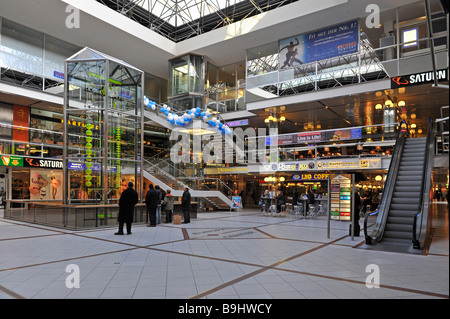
386	197
426	185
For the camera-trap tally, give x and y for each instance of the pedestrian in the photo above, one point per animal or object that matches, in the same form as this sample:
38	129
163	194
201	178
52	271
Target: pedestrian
127	202
158	210
152	201
186	205
167	206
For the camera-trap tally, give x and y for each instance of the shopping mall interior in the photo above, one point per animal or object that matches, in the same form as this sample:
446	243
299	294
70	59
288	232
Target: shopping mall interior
311	136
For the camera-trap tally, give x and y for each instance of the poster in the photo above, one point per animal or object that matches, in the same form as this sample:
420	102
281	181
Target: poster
236	202
323	44
21	116
45	185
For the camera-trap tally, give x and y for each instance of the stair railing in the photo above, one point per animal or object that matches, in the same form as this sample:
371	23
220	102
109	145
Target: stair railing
422	221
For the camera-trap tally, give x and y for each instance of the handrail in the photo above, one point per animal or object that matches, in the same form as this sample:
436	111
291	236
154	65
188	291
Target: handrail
417	235
386	198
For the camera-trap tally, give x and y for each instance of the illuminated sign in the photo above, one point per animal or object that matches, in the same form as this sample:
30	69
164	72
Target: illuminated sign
310	177
43	163
11	161
417	78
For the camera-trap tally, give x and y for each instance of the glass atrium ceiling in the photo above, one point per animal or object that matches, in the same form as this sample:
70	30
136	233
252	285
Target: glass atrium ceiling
179	20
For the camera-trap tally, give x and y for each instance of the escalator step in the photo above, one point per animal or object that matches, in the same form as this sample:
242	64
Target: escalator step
403	200
408	183
404	194
402	213
408	188
399	228
405	207
400	220
398	234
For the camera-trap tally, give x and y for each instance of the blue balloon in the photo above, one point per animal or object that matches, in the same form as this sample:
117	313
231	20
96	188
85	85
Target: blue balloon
198	109
202	114
220	125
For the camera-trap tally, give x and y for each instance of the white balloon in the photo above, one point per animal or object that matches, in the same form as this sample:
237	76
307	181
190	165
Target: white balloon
153	107
168	109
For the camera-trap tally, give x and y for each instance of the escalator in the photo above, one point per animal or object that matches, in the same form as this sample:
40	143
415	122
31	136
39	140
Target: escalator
402	216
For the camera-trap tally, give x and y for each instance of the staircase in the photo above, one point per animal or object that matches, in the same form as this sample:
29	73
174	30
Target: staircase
158	172
407	194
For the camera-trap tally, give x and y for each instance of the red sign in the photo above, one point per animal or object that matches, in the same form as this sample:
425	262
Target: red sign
21	115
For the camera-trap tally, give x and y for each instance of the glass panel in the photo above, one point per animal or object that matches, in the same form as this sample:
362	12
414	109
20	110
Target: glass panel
196	74
21	48
86	84
56	53
179	69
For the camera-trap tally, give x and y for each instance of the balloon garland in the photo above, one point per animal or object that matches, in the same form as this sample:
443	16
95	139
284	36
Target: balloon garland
189	116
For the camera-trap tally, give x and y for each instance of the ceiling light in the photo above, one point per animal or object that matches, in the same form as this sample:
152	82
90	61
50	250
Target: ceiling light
401	103
378	106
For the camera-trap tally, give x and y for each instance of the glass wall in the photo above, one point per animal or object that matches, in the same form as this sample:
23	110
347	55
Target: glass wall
104	151
225	88
186	75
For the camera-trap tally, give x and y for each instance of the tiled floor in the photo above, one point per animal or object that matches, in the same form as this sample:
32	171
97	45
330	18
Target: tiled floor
219	255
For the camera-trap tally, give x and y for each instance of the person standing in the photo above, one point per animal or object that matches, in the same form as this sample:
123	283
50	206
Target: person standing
127	202
158	209
167	205
152	201
186	205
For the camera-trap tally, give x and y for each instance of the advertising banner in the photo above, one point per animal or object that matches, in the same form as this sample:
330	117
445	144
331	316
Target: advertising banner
45	185
323	44
21	115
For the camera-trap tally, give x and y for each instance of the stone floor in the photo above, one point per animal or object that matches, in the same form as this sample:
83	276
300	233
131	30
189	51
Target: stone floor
219	255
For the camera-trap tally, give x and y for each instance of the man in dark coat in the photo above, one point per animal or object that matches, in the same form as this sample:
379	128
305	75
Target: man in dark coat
127	201
152	200
186	205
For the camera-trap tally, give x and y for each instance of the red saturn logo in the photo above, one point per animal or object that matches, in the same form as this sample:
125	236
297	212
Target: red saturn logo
400	81
31	162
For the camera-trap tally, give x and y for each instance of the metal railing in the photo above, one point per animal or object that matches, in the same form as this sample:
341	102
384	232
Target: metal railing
422	222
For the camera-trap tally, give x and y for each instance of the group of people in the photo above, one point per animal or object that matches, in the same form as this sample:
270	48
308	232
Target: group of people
266	198
156	200
280	199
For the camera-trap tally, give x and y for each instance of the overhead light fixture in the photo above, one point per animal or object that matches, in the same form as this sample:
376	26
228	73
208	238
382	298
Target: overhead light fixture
378	178
378	106
389	103
413	126
401	103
